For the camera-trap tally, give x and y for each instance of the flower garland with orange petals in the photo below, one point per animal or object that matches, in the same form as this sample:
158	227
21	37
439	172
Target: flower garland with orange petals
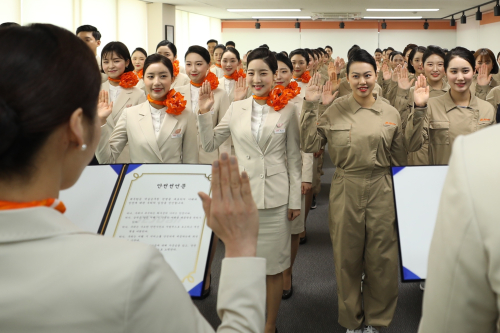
174	102
236	75
51	203
211	78
278	98
305	77
127	80
292	90
140	74
176	67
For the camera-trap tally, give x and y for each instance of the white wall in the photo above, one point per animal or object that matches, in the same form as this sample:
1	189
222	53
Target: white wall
249	39
474	36
340	40
132	35
11	11
57	12
398	39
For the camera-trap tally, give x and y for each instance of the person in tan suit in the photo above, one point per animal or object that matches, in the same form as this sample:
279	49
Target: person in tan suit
169	50
442	119
217	69
83	282
463	279
266	142
158	130
283	77
121	89
365	139
139	56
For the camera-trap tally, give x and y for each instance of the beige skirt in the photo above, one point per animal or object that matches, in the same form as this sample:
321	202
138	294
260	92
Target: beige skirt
274	242
298	224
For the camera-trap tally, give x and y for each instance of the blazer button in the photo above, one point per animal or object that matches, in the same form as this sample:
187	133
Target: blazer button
261	157
248	157
261	176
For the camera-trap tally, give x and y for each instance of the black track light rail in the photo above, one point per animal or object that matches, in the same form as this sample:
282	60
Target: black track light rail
465	10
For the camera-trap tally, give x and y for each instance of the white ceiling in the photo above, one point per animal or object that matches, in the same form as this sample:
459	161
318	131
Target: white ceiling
217	8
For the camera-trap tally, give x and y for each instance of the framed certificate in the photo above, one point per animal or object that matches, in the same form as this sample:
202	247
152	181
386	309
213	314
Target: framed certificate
156	204
417	191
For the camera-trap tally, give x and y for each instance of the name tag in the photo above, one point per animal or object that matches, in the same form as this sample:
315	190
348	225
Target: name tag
279	130
175	136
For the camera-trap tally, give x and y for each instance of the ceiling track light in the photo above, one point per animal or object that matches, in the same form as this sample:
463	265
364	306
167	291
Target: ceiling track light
257	24
341	25
463	19
452	21
479	15
384	25
426	25
496	9
297	24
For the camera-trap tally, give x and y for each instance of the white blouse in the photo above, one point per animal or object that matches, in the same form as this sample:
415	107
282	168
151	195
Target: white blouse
195	95
114	92
158	115
259	115
228	85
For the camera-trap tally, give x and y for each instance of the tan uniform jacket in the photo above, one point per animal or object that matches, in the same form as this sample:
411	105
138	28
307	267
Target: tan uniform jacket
273	163
307	158
442	121
493	98
182	69
217	112
176	142
56	278
219	72
463	281
180	80
482	91
345	88
346	126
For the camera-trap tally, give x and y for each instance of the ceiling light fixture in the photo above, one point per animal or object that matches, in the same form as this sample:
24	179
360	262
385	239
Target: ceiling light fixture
392	17
257	25
263	10
281	17
496	9
463	19
479	15
297	24
341	25
384	25
452	21
426	25
400	10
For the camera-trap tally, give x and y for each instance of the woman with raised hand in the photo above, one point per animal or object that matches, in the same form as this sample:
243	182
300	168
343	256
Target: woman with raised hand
159	130
84	282
457	112
265	133
300	61
169	50
217	69
139	55
486	67
284	77
364	139
230	63
197	61
120	88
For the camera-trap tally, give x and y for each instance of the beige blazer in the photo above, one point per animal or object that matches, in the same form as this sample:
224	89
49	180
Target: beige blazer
180	80
176	142
273	163
182	69
217	113
217	71
56	278
307	158
463	280
141	86
127	98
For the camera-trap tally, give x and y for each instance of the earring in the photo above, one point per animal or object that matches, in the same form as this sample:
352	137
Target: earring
84	147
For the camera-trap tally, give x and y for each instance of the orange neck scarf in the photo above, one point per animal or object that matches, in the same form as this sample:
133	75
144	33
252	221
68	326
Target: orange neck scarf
140	74
51	203
216	64
305	77
174	102
176	68
211	78
292	90
236	75
127	80
277	99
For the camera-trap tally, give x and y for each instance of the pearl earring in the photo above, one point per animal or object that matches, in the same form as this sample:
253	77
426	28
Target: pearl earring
84	147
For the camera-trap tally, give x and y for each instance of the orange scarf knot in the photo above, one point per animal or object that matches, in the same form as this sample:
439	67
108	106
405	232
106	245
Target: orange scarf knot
218	65
236	75
127	80
51	203
304	77
176	67
140	74
277	99
174	102
292	90
210	78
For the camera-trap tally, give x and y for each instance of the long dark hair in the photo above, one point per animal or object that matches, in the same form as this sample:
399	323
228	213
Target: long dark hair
361	56
412	55
266	55
157	58
121	51
203	52
460	52
47	73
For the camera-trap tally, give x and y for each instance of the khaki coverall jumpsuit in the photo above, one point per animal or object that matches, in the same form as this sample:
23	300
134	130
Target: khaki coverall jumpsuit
362	143
442	121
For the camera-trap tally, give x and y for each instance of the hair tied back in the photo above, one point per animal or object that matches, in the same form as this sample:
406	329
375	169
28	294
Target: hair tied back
9	126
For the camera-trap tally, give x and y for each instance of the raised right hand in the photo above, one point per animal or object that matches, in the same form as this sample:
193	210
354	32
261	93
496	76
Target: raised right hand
421	92
104	108
386	72
313	89
240	89
403	80
327	97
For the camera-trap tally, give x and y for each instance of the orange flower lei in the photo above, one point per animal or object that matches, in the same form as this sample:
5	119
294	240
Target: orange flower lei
127	80
277	99
51	203
305	77
174	102
176	68
140	74
211	78
236	75
292	90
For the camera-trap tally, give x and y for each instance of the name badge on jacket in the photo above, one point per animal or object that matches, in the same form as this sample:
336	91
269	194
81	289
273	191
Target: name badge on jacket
279	129
177	134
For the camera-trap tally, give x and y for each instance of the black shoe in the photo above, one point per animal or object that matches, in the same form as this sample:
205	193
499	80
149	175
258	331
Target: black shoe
303	240
288	293
206	292
313	204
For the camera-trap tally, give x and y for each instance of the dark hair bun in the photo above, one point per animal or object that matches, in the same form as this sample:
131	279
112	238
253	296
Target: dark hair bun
9	126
